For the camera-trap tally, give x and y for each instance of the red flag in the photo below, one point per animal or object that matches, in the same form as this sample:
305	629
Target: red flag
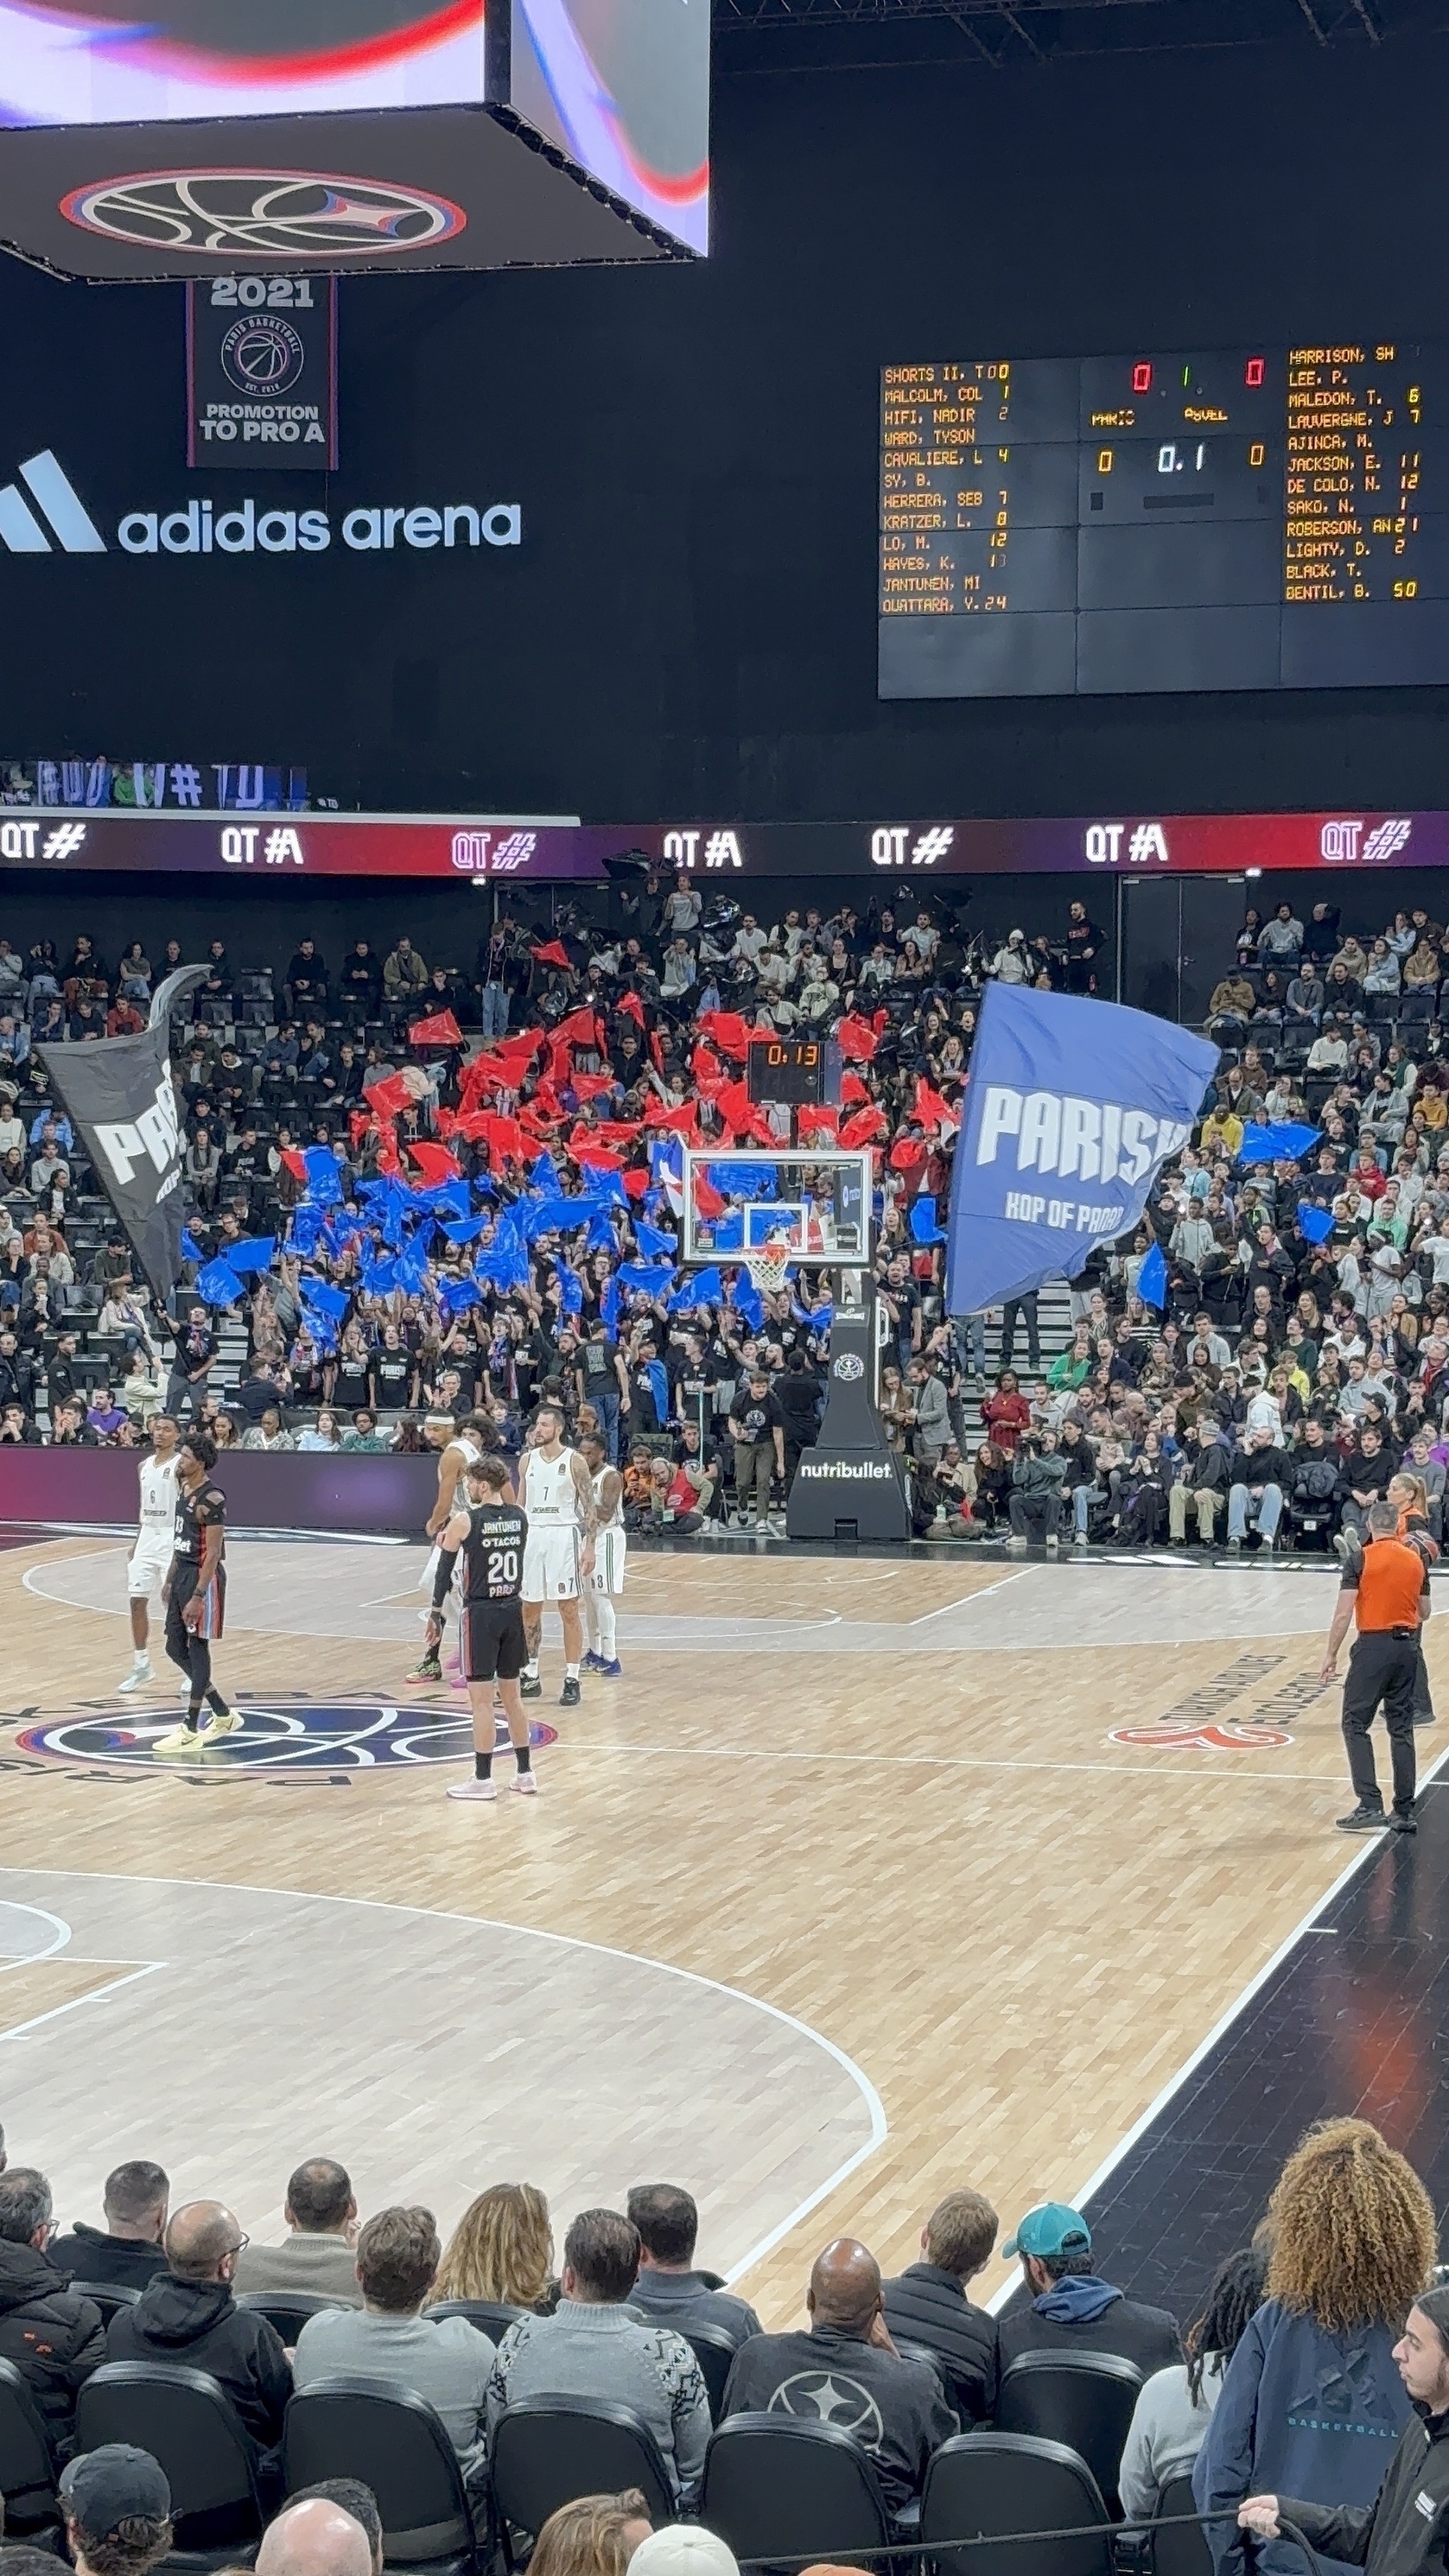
727	1030
503	1137
857	1039
636	1183
853	1093
708	1201
441	1030
631	1004
931	1109
819	1122
864	1127
435	1162
705	1065
656	1049
552	953
589	1150
388	1096
683	1118
908	1153
588	1086
293	1159
580	1029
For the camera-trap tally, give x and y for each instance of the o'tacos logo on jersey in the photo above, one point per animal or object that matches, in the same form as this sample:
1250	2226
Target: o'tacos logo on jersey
288	1734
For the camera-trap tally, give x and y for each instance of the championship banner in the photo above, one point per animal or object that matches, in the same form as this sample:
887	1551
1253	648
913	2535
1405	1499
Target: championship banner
261	372
118	1094
1071	1110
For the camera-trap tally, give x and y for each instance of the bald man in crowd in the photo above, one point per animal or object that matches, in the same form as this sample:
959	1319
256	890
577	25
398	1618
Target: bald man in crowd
188	2314
847	2371
317	2538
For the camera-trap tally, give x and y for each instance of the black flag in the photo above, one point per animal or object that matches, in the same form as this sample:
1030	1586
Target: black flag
119	1096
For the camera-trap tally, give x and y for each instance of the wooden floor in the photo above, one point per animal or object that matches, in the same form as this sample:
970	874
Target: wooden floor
844	1895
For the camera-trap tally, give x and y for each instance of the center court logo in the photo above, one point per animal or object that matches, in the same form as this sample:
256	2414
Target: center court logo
278	1736
1221	1736
49	515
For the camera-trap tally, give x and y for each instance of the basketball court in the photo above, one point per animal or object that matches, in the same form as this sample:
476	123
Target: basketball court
870	1877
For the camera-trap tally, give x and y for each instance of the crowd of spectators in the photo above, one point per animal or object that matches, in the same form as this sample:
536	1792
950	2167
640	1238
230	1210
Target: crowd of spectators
1346	2252
1294	1366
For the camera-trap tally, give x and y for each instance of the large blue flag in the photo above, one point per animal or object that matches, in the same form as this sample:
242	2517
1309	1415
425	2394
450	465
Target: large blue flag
1071	1109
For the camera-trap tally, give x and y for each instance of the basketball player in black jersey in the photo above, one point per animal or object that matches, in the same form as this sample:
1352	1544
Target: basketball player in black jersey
195	1595
488	1533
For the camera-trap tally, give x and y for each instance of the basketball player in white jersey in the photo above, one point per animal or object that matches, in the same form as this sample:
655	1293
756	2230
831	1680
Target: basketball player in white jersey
460	1448
150	1560
557	1494
610	1550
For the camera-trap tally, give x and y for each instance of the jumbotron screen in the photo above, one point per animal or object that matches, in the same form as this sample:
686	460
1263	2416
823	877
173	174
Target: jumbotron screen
621	85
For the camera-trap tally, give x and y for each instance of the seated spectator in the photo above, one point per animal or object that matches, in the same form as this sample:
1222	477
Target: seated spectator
593	2346
502	2249
1258	1479
316	2536
686	2549
53	2337
668	2288
365	1435
927	2303
596	2535
1352	2243
268	1433
355	2499
444	2358
1174	2406
896	2408
1037	1471
317	2254
1072	2309
188	2314
116	2507
128	2251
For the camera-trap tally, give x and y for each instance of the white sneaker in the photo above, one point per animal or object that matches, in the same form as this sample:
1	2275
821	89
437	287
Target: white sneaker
479	1792
526	1785
1080	1539
1053	1543
214	1727
137	1678
182	1739
1016	1544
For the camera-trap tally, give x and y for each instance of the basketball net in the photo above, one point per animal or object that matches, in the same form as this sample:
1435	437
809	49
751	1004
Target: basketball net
769	1268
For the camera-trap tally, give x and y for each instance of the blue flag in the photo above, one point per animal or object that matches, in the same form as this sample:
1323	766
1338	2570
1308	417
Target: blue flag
1283	1144
748	1304
219	1285
1152	1278
254	1252
703	1288
1072	1108
328	1300
652	1239
1315	1224
190	1248
924	1228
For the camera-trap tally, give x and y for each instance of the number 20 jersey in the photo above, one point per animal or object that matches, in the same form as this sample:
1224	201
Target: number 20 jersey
492	1553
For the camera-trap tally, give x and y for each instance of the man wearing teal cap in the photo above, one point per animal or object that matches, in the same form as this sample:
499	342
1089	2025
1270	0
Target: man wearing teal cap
1071	2308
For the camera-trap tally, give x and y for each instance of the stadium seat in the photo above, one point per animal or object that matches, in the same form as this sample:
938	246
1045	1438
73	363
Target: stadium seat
398	2445
1184	2551
27	2462
286	2310
996	2482
107	2296
492	2317
714	2350
776	2489
1084	2399
186	2421
547	2450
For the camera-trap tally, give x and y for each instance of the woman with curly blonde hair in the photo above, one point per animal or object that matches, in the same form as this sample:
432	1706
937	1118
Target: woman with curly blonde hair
1312	2402
501	2248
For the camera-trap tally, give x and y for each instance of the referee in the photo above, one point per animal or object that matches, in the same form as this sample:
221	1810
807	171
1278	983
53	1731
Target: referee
1387	1591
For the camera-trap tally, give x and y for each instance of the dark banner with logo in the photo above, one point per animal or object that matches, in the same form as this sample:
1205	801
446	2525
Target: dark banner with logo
261	372
118	1095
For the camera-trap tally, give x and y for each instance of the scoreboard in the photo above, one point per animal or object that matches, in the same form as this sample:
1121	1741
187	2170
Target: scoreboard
1241	519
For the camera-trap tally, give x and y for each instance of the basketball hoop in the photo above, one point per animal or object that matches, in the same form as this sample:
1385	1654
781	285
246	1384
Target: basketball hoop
769	1268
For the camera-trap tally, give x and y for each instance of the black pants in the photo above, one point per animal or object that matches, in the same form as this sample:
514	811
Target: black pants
1024	1511
188	1648
1023	1310
1382	1670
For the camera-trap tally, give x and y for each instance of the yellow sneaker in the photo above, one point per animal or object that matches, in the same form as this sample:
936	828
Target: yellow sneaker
182	1739
214	1727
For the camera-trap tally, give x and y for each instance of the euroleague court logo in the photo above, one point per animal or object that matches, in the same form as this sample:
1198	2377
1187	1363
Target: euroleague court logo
1219	1735
278	1736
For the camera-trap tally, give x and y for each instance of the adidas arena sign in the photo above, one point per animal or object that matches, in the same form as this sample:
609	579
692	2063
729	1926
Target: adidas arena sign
42	513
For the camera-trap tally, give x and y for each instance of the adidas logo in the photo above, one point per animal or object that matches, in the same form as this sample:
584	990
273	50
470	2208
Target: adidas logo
48	486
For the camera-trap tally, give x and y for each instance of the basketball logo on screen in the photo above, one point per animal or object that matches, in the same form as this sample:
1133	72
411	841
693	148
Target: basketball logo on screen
284	1734
263	355
291	214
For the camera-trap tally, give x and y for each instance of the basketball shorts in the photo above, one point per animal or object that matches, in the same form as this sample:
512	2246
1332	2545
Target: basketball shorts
494	1645
213	1601
551	1563
149	1565
611	1549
